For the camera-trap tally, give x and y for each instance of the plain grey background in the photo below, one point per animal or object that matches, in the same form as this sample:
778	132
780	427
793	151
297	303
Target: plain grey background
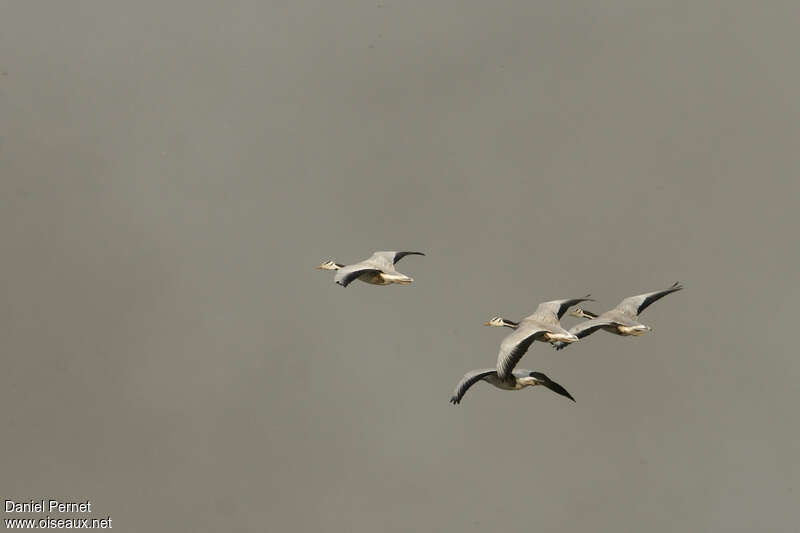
172	172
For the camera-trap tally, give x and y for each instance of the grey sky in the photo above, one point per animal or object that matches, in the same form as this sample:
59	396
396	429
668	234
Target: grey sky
172	172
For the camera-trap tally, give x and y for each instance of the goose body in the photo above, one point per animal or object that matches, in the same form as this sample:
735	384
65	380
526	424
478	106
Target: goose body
543	325
378	269
622	320
518	379
546	318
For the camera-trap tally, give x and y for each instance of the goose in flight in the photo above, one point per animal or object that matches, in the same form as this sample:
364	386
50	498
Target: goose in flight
378	269
622	320
519	379
543	326
545	310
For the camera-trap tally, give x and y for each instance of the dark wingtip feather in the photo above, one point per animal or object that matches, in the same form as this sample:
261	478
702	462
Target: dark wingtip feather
558	389
454	400
399	255
552	385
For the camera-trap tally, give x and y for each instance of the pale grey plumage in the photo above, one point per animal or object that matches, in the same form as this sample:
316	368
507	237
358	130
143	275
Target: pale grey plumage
378	269
346	275
552	311
469	379
516	344
633	306
518	379
623	319
542	325
588	327
389	259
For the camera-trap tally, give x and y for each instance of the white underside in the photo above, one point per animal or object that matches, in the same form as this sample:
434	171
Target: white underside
558	337
633	331
385	278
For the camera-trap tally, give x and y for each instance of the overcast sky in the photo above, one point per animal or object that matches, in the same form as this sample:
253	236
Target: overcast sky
172	172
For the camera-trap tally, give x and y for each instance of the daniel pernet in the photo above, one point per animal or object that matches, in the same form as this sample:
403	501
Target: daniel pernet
51	506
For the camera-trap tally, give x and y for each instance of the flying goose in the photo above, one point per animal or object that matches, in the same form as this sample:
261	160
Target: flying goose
378	269
543	326
519	379
622	320
547	312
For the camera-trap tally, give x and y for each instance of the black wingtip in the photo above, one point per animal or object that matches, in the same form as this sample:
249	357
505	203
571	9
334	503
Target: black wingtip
552	385
454	400
568	395
558	389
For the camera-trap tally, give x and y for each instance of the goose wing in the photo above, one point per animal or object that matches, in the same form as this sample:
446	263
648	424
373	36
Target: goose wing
514	346
390	258
469	379
634	305
585	329
550	384
558	307
345	276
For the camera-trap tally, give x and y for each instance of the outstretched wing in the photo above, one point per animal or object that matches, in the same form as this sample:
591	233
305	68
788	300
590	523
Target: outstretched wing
584	329
634	305
469	379
345	276
514	346
552	385
390	258
399	255
558	307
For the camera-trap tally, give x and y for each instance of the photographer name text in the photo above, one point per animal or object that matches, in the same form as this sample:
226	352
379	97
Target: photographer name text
49	506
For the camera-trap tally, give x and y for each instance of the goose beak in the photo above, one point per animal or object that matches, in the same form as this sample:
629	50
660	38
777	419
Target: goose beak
487	323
